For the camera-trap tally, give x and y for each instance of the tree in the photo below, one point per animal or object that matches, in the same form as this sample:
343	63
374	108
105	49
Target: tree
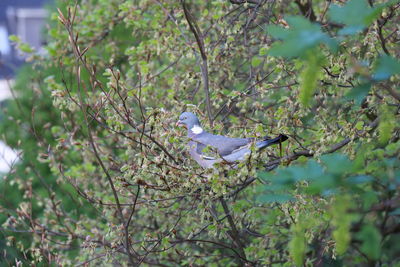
127	69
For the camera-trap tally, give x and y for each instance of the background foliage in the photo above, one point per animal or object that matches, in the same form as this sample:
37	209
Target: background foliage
104	177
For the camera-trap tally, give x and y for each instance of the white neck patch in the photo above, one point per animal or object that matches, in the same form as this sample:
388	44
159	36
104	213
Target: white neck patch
197	129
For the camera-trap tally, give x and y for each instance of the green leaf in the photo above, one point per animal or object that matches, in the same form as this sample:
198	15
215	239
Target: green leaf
270	198
356	14
386	66
342	238
263	51
298	245
256	61
358	93
341	220
337	163
313	170
25	48
14	38
299	38
278	32
359	125
387	124
286	178
309	77
395	212
360	179
371	241
369	198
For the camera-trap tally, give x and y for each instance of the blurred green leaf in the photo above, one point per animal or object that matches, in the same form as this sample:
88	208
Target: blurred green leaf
309	77
337	163
358	93
263	51
14	38
300	37
341	220
369	198
297	244
360	179
386	66
256	61
25	48
371	241
386	123
270	198
313	170
395	212
356	14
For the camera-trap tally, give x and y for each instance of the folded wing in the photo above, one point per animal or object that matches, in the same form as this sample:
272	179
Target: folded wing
224	145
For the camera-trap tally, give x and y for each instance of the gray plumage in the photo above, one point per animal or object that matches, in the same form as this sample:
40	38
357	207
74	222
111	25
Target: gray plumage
230	150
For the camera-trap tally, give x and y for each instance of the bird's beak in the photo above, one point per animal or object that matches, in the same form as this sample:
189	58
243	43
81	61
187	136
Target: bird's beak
178	123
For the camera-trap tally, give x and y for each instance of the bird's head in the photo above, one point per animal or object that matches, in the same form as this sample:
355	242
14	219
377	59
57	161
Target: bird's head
188	120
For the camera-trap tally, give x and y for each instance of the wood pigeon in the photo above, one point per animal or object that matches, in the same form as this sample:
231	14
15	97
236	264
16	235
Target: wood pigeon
230	150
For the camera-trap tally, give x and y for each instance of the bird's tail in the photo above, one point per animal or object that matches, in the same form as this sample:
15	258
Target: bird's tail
267	142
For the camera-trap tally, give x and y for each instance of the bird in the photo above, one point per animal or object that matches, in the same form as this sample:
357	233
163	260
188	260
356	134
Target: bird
229	150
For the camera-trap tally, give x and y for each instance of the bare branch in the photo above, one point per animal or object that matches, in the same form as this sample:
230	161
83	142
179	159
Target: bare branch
204	65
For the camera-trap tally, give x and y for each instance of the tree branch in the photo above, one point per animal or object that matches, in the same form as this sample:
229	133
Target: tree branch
240	2
234	233
306	9
204	65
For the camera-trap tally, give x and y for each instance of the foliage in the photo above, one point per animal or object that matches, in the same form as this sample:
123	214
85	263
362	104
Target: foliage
119	74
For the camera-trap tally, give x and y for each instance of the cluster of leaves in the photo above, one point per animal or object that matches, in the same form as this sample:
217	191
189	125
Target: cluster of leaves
120	188
356	185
